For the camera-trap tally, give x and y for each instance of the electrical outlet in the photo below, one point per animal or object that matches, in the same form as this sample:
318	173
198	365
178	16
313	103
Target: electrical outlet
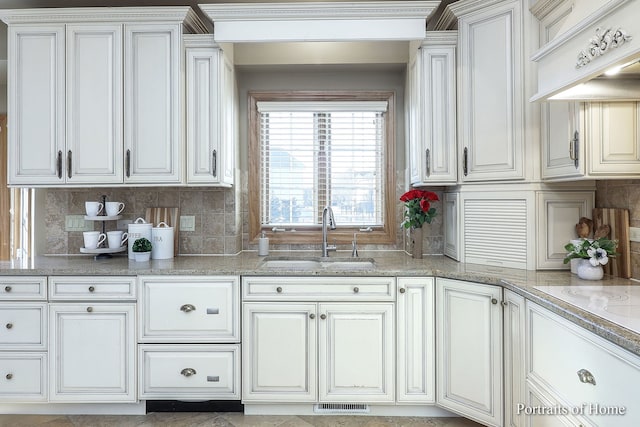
77	223
187	223
634	234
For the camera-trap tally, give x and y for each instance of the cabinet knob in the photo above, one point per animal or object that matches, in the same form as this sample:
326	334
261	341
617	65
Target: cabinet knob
402	290
187	372
89	309
494	301
356	290
586	377
279	290
312	316
92	289
187	308
7	288
9	376
9	325
323	316
504	303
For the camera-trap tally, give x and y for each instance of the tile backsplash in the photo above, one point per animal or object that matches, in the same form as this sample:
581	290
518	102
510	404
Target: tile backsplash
624	194
221	218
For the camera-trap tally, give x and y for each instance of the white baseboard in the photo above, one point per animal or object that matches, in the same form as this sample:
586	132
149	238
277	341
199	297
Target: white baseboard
139	408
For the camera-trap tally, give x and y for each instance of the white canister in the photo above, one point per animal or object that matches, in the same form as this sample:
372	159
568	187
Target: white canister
137	229
162	241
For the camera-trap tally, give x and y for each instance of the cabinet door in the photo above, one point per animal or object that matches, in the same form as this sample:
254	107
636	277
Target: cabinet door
562	140
355	352
469	349
414	126
451	209
94	103
514	354
415	371
614	138
36	104
491	93
279	362
152	104
92	353
228	122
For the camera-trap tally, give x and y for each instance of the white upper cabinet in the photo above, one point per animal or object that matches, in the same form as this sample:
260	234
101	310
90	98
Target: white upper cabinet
211	119
36	95
94	97
431	93
94	103
152	102
491	102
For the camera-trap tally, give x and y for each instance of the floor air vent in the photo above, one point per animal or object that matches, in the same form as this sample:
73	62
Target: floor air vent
341	408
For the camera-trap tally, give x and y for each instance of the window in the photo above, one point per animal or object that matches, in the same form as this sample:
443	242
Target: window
310	151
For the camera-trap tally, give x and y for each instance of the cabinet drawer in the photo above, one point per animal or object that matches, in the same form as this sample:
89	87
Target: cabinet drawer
318	288
189	371
23	326
189	309
560	353
23	288
91	288
24	377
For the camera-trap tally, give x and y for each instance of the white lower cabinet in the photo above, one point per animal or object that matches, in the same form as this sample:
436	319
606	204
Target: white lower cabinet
514	351
189	335
469	349
415	363
570	368
336	351
92	352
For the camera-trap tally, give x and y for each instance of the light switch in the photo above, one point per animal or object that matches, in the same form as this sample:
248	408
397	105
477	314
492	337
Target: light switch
187	223
77	223
634	234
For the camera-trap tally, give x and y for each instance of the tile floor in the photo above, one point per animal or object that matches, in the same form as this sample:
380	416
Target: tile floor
225	419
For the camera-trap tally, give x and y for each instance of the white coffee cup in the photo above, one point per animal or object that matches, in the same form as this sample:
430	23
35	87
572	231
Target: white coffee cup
92	239
114	208
117	238
93	208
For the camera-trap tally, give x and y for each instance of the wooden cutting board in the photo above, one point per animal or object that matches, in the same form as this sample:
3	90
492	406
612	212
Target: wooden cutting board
170	216
618	220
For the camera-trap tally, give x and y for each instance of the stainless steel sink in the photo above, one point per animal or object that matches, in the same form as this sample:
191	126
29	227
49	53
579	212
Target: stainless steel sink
317	263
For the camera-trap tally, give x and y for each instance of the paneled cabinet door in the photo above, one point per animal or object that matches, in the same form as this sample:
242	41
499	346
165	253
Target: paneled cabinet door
355	349
469	349
279	355
36	104
92	352
491	92
152	104
210	116
562	140
415	373
432	115
94	103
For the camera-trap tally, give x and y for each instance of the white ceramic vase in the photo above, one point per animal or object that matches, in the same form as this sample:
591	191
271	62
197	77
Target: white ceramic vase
587	271
142	256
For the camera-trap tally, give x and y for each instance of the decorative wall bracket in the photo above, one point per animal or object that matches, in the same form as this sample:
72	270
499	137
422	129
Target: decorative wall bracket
601	44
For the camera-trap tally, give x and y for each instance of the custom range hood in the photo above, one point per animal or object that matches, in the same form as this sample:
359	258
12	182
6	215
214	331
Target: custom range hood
591	37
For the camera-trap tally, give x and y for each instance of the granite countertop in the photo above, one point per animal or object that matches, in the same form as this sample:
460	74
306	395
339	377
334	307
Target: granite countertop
523	282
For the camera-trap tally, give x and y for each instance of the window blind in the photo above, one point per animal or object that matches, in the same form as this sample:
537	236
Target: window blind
314	154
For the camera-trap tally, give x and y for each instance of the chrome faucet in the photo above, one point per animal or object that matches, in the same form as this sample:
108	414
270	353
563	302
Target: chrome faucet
327	211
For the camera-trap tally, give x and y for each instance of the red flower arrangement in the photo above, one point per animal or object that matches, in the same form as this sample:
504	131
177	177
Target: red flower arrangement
418	207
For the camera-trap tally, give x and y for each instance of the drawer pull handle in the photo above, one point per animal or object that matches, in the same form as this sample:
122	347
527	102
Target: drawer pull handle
7	288
92	289
89	309
403	290
187	308
187	372
213	379
323	316
279	290
586	377
312	316
213	310
9	376
9	325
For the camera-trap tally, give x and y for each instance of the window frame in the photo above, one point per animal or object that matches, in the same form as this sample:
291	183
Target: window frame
313	235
